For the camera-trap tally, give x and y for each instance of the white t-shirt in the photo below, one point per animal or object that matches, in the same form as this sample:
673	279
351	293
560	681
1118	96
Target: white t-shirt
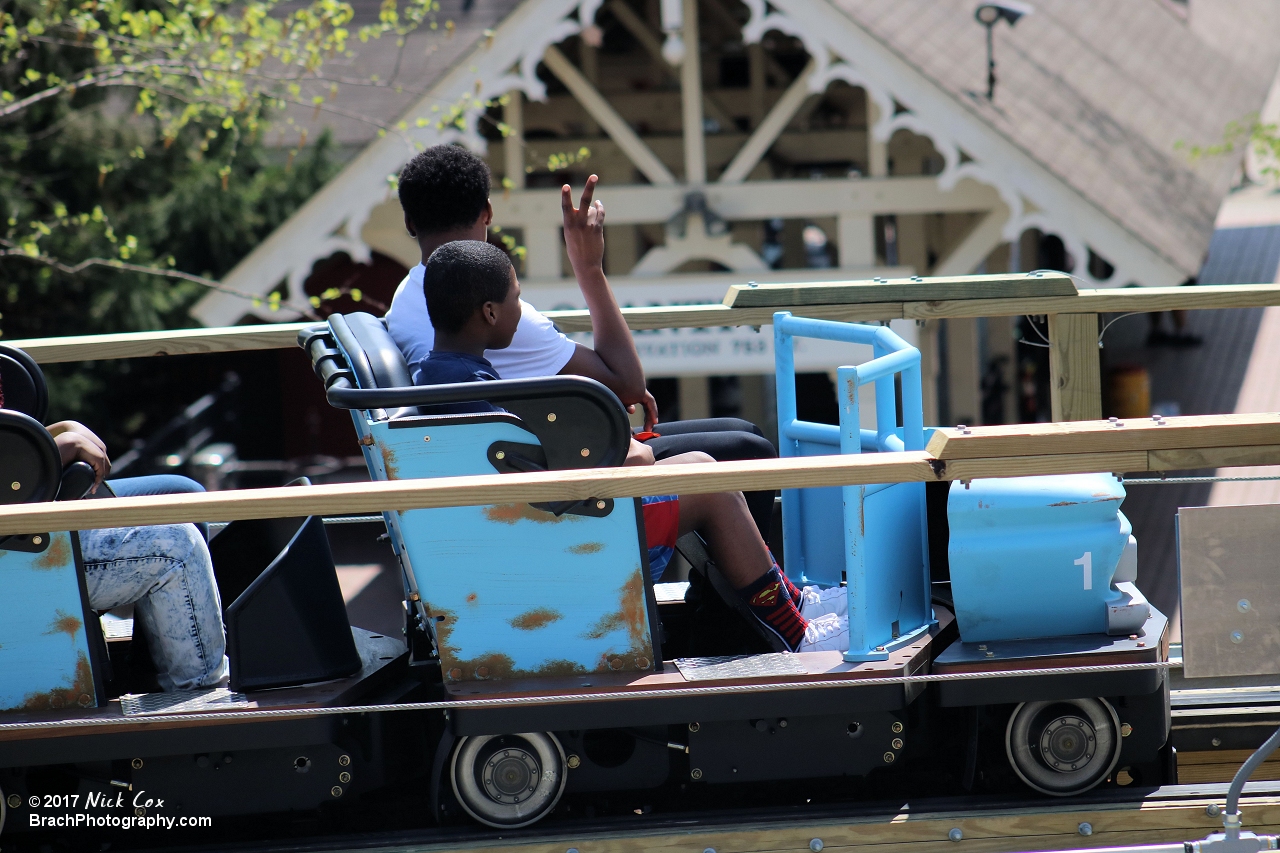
538	348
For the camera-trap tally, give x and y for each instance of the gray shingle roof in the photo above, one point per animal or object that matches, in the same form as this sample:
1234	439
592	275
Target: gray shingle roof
1101	92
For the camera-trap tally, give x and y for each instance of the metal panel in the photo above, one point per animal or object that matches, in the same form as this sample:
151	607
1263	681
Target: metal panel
1229	557
1035	556
515	591
44	654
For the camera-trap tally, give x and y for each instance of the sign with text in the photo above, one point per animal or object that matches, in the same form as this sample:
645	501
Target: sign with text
718	351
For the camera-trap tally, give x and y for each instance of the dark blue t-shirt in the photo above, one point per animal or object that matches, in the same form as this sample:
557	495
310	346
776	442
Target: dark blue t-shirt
447	368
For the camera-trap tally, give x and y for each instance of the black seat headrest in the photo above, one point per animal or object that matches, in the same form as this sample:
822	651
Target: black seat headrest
30	466
22	386
375	359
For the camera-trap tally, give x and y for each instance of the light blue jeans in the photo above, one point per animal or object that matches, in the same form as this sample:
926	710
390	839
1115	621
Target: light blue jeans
166	573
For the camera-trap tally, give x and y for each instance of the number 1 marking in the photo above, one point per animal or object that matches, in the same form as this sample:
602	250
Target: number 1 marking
1087	563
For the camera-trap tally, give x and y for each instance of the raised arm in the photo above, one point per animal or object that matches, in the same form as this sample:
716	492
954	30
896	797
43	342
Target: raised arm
614	361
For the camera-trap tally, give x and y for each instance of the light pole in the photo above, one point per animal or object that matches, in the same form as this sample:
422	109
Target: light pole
989	14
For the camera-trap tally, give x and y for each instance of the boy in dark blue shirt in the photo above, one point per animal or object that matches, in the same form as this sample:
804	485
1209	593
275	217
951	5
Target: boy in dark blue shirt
473	300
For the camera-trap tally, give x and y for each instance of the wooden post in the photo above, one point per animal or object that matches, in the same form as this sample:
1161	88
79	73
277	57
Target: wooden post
513	145
695	145
1075	386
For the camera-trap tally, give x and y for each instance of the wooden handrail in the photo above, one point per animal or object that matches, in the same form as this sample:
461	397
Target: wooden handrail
1108	452
281	336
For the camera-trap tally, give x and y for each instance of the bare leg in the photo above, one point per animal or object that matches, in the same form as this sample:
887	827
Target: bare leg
725	522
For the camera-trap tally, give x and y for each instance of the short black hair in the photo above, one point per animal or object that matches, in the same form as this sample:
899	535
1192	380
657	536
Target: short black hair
462	276
444	187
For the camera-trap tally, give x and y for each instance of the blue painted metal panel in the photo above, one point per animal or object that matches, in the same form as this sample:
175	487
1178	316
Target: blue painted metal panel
44	654
1035	556
871	535
515	591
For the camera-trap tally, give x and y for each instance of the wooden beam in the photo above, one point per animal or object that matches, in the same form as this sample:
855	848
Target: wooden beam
974	248
695	143
612	123
769	129
976	287
170	342
1256	432
652	45
1104	453
1075	384
513	142
754	200
282	335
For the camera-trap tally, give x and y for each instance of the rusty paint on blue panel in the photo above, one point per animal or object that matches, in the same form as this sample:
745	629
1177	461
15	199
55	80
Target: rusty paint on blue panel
515	591
44	654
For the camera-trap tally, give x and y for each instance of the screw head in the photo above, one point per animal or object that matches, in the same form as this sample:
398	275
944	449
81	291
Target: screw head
693	727
140	811
14	801
1216	741
1085	828
136	764
15	485
815	844
344	777
600	504
36	540
955	834
551	417
1212	810
501	454
1125	730
1243	605
336	791
695	773
888	758
642	663
573	761
896	728
426	438
584	452
897	743
344	760
1237	637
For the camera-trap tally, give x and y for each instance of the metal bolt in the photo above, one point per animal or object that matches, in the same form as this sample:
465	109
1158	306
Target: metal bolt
136	763
896	728
955	834
573	761
815	844
708	850
482	672
455	674
426	438
1237	637
1216	741
1243	605
1125	730
344	777
15	485
693	727
336	790
551	416
1114	420
344	760
600	504
501	454
586	451
642	663
572	850
991	654
897	743
140	811
695	774
36	540
1085	828
14	801
1212	810
888	758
